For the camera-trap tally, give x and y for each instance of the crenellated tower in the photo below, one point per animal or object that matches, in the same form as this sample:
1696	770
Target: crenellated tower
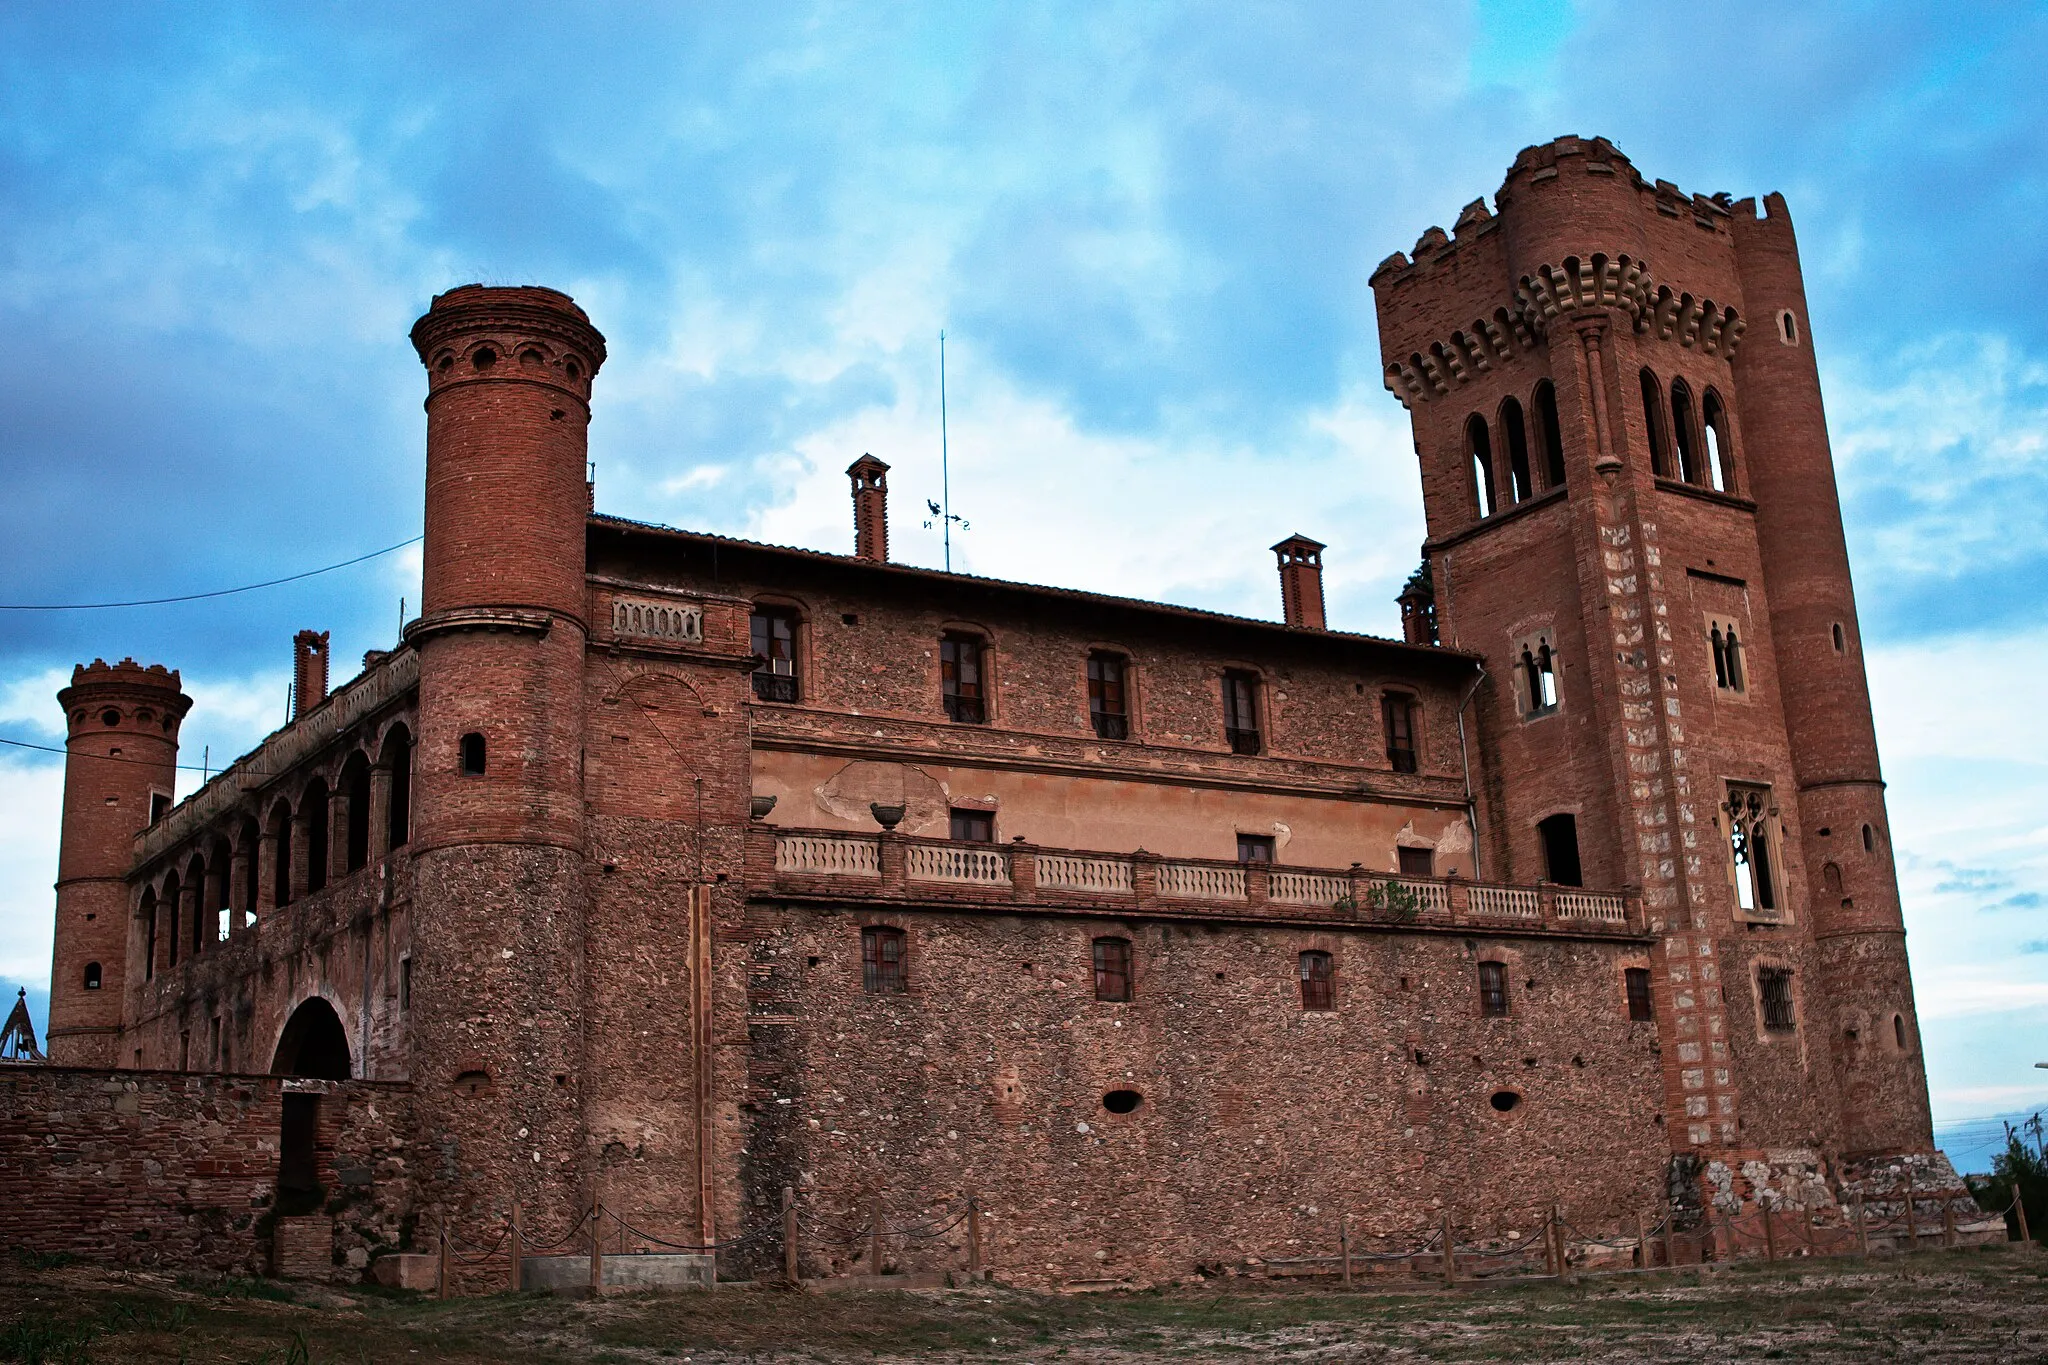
1632	515
499	895
120	774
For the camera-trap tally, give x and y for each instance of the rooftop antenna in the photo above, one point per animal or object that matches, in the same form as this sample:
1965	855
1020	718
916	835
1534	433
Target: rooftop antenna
944	510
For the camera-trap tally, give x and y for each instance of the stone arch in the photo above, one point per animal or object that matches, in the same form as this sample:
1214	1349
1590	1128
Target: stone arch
655	725
278	830
353	785
395	757
314	1043
313	810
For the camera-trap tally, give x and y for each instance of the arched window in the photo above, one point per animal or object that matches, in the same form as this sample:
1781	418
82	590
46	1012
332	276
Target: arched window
961	685
172	898
1520	486
1899	1030
1720	462
203	916
1748	812
1112	969
1551	434
1560	836
1831	878
251	843
398	759
1653	423
1318	981
281	866
1869	839
1479	454
92	976
1840	642
1788	327
1539	674
355	783
1682	433
472	755
883	968
773	634
148	913
1397	712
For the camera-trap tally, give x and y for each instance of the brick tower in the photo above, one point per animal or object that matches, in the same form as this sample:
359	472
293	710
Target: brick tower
499	897
121	766
1632	515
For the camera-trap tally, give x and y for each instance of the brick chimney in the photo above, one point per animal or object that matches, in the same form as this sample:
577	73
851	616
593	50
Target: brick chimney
1418	607
309	671
870	508
1301	581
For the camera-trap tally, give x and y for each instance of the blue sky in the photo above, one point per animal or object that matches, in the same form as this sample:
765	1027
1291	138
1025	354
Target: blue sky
1146	229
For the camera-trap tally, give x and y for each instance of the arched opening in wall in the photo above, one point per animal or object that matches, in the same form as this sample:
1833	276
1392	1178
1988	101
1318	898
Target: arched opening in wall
1560	836
1841	643
1788	327
1899	1031
1682	433
1551	435
355	787
313	1044
147	913
313	810
1869	839
398	761
250	841
1520	485
1720	454
1831	878
1122	1101
197	885
280	838
1653	423
1479	456
92	976
173	898
220	892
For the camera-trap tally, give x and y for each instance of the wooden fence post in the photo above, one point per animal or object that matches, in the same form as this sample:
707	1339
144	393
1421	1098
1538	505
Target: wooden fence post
1550	1243
1770	1233
1564	1251
790	1271
2020	1207
515	1240
596	1248
1344	1245
441	1277
1450	1255
1862	1232
973	1236
1727	1231
875	1237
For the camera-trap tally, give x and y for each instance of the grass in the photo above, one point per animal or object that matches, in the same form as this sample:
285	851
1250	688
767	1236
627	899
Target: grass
1962	1306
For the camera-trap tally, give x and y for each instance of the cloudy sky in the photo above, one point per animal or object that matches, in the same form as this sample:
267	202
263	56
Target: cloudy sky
1146	230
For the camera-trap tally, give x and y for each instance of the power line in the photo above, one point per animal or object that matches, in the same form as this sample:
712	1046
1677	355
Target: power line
201	596
103	758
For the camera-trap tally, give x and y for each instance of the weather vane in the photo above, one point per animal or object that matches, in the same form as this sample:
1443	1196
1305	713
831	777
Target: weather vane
942	511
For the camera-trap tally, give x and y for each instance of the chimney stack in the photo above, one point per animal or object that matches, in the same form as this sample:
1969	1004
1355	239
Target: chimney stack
1418	607
1301	581
309	671
870	508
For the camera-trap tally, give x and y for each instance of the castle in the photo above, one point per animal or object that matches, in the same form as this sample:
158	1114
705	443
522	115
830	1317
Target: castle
674	870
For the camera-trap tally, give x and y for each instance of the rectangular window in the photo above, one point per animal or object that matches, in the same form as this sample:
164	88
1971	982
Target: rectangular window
1493	989
1416	862
1774	986
1636	982
1255	848
1318	981
881	957
1560	836
1112	969
1241	712
960	679
1107	709
159	806
974	826
1749	813
1397	709
773	635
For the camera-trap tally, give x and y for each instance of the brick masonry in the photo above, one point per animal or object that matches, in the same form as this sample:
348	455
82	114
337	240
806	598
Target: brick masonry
532	860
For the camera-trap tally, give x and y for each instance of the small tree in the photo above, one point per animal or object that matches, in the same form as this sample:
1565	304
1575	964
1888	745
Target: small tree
2020	1168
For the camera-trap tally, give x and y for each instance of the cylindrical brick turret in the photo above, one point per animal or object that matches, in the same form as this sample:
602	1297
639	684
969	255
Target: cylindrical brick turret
1845	838
498	915
870	508
120	766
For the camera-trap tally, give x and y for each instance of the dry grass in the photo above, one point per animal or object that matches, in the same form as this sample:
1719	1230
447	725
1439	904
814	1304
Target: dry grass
1983	1305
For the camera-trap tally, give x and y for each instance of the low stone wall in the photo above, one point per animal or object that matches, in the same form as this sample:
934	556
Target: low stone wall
179	1171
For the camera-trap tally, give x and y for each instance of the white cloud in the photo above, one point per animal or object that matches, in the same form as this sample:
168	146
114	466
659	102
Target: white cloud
31	702
31	800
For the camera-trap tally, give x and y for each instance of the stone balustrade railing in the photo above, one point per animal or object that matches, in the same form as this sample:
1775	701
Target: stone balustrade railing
890	866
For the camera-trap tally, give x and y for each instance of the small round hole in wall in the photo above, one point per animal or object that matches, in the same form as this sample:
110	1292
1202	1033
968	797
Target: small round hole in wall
110	717
484	358
472	1082
1505	1101
1122	1101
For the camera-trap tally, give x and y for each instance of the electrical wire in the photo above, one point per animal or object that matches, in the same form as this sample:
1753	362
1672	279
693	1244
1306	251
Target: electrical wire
106	758
202	596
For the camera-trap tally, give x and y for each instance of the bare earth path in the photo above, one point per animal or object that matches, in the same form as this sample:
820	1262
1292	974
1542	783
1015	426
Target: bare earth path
1984	1305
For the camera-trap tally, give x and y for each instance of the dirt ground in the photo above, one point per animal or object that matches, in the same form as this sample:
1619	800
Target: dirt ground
1972	1305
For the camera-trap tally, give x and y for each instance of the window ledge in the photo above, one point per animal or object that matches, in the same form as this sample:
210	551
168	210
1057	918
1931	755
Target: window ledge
1693	490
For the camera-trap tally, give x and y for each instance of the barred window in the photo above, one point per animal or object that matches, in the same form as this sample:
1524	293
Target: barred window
773	636
881	956
1493	988
1241	711
1318	981
1774	988
1108	710
960	678
1636	982
1112	969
